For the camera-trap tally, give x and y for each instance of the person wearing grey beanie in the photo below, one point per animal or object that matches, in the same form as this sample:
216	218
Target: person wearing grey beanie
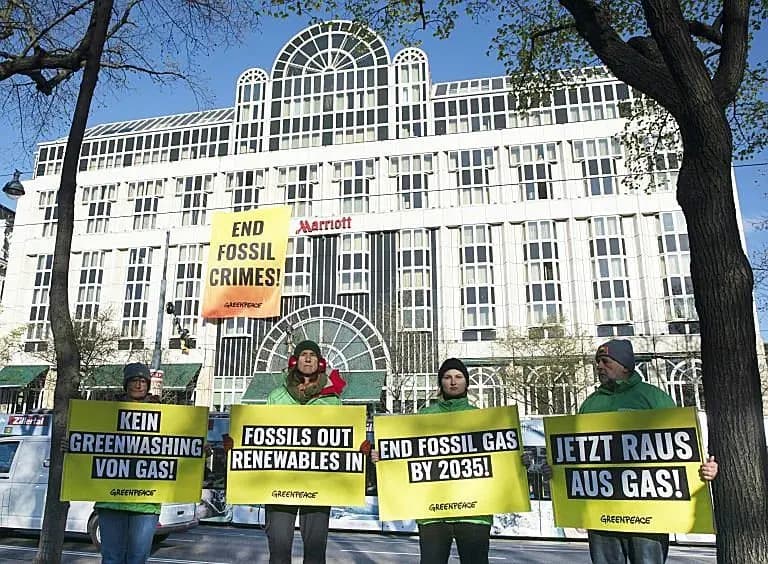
622	389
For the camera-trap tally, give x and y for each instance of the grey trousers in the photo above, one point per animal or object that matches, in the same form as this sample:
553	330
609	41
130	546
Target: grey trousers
313	524
607	547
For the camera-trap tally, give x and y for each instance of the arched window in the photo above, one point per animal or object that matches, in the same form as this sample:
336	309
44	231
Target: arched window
330	85
249	114
549	391
412	80
485	388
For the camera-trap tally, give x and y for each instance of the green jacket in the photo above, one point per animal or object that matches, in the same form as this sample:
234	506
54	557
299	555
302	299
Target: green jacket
280	396
126	506
626	395
447	406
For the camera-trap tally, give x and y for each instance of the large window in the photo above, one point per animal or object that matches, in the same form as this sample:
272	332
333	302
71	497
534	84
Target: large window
354	179
50	207
610	283
478	295
412	173
250	111
189	273
39	326
245	185
99	201
415	272
598	158
471	175
297	183
535	166
354	262
675	254
297	266
146	196
136	300
330	85
411	93
89	292
193	191
542	267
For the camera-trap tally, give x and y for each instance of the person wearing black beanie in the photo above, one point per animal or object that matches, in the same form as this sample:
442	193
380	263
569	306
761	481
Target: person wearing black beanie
472	534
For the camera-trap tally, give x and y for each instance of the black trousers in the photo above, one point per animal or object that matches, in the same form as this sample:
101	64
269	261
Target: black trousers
313	524
472	541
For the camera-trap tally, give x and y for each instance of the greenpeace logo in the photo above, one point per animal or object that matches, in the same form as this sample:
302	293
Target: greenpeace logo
137	493
294	494
453	506
626	519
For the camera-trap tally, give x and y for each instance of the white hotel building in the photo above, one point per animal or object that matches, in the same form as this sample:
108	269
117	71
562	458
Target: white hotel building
446	219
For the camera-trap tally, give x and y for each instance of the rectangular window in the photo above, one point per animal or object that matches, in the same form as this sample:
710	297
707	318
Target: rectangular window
478	297
245	186
354	179
146	196
354	262
39	327
297	183
189	274
412	173
136	301
193	191
89	292
50	208
297	266
610	283
542	268
471	175
598	158
415	277
99	201
535	166
666	167
676	280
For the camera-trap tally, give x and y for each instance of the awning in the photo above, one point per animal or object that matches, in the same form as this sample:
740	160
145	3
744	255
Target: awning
18	376
175	376
363	386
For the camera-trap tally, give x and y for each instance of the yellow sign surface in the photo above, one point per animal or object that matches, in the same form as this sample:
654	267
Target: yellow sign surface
246	262
632	471
134	452
450	464
297	455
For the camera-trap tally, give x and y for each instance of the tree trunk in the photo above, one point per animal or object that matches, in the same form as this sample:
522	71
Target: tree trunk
67	353
722	280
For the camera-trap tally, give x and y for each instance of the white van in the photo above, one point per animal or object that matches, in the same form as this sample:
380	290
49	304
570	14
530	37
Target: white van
25	442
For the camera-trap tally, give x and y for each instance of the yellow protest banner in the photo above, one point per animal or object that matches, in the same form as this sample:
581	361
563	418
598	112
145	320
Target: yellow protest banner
632	471
134	452
450	464
246	262
297	455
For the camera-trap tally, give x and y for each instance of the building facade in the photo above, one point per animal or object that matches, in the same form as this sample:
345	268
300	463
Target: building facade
429	220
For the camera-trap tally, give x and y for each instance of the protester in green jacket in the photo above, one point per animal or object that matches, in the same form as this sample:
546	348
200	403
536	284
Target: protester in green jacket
473	533
306	383
127	529
622	389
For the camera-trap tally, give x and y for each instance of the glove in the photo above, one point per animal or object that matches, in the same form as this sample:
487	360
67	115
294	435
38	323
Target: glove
365	447
228	442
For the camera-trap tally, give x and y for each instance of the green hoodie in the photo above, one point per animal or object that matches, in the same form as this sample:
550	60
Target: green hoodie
626	395
447	406
281	396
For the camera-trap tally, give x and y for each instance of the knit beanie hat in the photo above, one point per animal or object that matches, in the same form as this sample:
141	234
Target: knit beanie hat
135	370
451	364
307	346
619	350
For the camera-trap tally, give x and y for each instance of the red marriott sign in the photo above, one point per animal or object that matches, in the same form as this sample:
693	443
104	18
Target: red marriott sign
306	226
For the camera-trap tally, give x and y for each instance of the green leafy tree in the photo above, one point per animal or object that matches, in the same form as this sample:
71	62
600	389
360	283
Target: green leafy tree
691	58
